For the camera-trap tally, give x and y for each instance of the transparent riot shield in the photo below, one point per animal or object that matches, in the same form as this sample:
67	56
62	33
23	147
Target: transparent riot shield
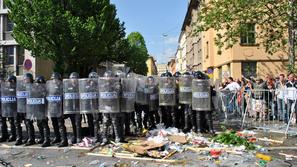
70	96
185	90
88	92
128	94
201	97
36	109
167	96
142	96
21	94
109	91
8	99
54	89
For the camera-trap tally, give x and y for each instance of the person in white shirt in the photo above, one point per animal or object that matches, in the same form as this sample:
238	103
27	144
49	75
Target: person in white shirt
280	94
233	87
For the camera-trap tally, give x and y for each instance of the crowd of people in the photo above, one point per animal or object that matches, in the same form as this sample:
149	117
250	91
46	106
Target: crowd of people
272	98
113	106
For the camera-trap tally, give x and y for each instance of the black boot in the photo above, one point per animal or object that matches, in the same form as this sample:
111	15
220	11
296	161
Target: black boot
174	118
41	132
73	124
78	127
187	120
117	128
127	124
210	123
19	140
47	141
31	133
198	121
55	124
139	121
96	128
152	120
193	120
12	136
105	129
4	131
19	135
63	131
91	124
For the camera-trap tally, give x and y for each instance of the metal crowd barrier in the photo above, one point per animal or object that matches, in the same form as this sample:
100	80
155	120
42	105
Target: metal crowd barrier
268	110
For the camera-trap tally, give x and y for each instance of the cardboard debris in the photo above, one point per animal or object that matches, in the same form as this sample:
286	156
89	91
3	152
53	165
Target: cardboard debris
143	148
178	139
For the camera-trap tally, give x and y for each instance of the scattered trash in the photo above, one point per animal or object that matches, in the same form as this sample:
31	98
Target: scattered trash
66	150
95	162
27	165
86	142
103	165
41	157
263	157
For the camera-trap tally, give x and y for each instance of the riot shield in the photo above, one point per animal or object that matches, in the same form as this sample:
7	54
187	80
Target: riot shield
21	94
88	92
54	89
201	97
35	109
185	90
167	91
128	94
154	98
109	100
71	96
142	96
8	99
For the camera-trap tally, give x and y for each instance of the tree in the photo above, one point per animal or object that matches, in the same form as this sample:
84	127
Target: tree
75	35
275	20
138	53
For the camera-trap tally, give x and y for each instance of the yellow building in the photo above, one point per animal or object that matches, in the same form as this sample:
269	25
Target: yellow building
246	58
151	66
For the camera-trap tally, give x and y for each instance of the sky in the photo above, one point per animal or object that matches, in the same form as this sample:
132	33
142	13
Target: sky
159	21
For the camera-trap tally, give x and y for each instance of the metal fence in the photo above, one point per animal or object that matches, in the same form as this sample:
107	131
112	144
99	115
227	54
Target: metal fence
270	110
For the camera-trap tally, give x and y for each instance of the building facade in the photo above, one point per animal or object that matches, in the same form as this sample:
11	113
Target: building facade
181	53
151	66
15	59
247	58
161	68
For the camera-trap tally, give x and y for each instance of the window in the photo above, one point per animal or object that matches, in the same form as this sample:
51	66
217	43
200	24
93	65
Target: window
249	69
20	55
9	25
9	55
249	35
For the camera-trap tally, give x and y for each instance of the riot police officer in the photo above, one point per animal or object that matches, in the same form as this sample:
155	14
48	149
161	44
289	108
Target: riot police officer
128	88
71	104
201	101
109	105
167	99
54	108
178	109
8	107
22	95
142	103
36	110
153	102
185	100
88	89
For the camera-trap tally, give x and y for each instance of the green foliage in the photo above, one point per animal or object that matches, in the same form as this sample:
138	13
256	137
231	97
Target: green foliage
230	138
138	53
231	17
75	35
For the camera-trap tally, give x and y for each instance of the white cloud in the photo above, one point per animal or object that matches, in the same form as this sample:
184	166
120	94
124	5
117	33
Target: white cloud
165	55
171	40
